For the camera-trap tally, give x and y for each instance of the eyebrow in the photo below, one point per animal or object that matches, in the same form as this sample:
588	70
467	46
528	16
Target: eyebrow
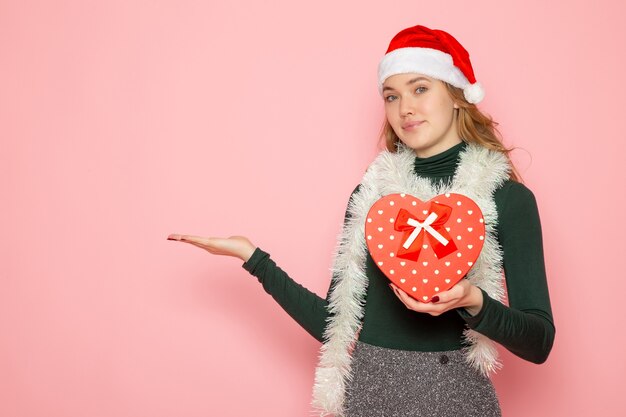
411	81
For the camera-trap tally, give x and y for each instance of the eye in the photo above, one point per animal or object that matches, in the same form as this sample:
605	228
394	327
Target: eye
421	88
390	98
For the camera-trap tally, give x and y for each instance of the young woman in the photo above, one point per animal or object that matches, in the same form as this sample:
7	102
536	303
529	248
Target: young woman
384	352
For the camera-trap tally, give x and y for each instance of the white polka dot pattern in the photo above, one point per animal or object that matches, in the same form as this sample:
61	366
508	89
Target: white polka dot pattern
426	275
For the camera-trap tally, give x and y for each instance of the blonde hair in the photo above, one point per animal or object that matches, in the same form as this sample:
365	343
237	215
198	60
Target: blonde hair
473	125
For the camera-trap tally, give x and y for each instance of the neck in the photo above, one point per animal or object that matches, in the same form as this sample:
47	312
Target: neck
437	149
440	165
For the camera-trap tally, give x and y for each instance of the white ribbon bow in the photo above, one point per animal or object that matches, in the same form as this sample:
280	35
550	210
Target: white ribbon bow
427	227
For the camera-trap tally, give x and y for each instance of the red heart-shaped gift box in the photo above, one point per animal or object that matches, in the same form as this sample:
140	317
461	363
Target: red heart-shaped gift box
425	247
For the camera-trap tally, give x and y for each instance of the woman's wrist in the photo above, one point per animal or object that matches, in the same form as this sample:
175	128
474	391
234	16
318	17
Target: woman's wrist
247	253
475	300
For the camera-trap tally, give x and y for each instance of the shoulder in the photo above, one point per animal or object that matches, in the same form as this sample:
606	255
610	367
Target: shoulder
517	208
513	194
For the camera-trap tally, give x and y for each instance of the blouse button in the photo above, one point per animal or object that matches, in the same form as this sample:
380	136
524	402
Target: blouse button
443	359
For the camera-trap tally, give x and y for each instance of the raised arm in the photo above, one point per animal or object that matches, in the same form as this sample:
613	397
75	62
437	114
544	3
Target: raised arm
306	307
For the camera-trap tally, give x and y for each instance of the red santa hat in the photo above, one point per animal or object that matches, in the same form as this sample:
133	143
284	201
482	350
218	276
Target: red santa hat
434	53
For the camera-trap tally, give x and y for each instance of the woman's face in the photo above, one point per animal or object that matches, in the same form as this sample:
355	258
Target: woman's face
421	112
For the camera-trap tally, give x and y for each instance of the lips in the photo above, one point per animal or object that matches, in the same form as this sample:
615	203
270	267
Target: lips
410	125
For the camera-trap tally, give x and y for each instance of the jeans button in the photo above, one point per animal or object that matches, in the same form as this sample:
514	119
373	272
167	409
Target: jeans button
443	359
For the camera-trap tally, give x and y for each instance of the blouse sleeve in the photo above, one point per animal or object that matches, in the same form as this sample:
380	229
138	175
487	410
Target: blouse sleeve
525	327
307	308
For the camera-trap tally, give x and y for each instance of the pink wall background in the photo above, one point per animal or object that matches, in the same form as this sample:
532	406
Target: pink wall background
122	122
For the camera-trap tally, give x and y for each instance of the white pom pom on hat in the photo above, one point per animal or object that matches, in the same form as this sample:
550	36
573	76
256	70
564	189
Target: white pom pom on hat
434	53
474	93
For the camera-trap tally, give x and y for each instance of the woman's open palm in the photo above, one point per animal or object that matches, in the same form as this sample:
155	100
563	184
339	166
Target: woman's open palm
237	246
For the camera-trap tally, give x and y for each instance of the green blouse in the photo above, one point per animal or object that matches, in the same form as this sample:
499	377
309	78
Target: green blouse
525	327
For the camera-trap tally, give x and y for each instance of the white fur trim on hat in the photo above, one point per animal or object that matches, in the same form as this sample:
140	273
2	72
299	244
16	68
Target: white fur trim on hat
430	62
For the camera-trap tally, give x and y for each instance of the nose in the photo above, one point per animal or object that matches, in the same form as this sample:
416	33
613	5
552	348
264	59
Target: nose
407	106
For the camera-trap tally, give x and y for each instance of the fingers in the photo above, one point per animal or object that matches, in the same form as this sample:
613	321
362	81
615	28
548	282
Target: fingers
457	293
447	301
237	246
198	241
454	294
206	243
448	296
199	245
402	296
189	238
410	302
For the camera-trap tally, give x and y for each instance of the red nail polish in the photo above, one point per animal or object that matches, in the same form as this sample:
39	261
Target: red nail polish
435	299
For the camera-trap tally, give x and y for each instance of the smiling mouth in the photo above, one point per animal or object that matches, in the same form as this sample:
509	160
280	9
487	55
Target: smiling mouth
411	125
